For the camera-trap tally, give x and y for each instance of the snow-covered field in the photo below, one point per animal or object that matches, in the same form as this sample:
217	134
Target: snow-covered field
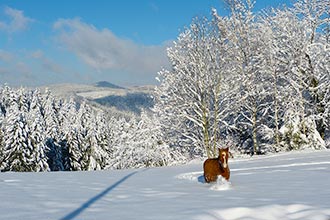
284	186
94	92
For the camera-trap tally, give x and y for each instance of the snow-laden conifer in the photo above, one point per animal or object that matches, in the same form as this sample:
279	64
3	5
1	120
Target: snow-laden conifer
50	110
94	155
37	135
17	149
71	140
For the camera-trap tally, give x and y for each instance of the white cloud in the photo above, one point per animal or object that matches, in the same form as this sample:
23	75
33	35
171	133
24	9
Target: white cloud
103	50
3	72
23	67
16	21
46	63
37	54
5	56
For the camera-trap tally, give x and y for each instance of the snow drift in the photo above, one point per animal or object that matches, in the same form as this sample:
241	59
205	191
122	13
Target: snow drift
284	186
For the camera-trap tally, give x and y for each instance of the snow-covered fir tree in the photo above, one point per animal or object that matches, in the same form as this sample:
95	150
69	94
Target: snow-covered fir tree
37	136
151	148
1	137
99	142
71	139
42	133
120	133
50	111
17	150
94	154
138	142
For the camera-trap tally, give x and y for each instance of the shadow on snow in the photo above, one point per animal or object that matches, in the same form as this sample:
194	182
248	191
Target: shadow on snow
201	179
87	204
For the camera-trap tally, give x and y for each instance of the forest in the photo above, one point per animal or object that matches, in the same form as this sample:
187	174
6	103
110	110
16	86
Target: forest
258	82
40	132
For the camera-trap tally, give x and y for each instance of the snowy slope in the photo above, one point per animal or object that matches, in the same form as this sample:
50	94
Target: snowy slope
283	186
95	91
131	99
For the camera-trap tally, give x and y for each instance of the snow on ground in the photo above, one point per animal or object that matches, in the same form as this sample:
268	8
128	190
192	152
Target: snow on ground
283	186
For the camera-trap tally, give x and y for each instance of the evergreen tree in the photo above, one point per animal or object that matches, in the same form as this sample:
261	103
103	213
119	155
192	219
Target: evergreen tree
1	139
51	118
97	142
37	134
70	137
18	150
120	155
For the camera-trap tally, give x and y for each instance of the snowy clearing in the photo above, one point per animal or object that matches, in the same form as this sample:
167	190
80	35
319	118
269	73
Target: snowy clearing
284	186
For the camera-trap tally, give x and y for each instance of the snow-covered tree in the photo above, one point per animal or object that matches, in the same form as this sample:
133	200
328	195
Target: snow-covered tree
278	64
296	137
17	149
258	80
22	99
1	137
150	146
248	48
37	133
277	27
98	139
138	142
24	141
300	45
71	140
316	15
7	97
190	93
94	154
120	137
50	111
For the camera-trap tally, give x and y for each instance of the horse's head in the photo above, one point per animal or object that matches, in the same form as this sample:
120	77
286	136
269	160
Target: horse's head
223	156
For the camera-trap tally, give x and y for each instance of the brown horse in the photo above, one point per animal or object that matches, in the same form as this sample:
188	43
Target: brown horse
217	166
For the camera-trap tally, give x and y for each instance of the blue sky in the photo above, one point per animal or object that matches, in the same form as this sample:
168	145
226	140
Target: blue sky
85	41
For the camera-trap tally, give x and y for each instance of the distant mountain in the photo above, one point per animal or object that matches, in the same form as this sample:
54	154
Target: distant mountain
131	99
131	102
107	85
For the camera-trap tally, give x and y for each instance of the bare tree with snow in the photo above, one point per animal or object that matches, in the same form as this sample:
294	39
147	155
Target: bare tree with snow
191	92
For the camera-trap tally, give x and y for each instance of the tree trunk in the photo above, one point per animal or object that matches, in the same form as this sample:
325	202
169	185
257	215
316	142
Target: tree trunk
276	117
205	124
254	131
215	125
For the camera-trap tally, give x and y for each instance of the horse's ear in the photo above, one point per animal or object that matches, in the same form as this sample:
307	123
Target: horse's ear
226	149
